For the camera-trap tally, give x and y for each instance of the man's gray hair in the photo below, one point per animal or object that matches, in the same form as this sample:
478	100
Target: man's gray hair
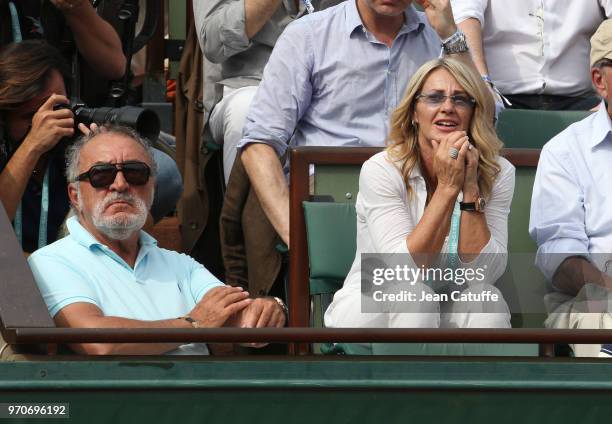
601	63
73	153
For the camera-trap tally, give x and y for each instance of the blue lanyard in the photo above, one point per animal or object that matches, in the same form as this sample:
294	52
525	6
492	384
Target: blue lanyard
15	27
453	244
44	214
453	238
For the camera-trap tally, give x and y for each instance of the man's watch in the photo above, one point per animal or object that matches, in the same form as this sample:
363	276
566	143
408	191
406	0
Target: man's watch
455	44
477	206
282	305
190	320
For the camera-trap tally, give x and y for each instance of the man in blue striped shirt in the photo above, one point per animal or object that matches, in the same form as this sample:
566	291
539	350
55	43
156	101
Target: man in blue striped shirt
333	79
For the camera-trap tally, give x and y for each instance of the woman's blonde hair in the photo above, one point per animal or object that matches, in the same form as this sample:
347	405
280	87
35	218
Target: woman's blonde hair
403	146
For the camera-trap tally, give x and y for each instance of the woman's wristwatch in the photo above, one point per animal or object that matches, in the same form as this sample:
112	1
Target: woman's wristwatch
477	206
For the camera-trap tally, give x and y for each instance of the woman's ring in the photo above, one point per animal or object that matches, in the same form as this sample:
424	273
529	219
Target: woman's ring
453	153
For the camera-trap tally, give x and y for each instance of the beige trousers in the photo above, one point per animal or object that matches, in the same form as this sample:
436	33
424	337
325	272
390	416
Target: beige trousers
590	309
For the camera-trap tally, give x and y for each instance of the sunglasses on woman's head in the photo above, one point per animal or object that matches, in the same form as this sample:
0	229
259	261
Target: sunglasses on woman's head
104	174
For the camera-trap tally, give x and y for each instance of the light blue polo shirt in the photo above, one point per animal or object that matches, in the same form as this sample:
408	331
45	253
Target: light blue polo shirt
163	284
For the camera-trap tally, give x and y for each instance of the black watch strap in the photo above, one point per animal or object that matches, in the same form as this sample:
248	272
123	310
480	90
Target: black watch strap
477	206
467	206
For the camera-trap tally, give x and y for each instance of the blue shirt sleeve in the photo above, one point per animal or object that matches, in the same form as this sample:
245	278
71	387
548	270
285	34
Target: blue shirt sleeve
285	90
201	280
59	284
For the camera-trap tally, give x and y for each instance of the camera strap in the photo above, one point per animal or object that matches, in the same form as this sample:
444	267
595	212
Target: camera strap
44	214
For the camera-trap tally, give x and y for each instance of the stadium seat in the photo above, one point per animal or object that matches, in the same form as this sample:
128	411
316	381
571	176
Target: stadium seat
531	129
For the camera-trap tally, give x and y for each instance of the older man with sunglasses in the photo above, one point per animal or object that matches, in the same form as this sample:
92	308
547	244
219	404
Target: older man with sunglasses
107	273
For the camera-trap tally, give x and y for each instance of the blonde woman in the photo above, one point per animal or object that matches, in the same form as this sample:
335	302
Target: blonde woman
440	194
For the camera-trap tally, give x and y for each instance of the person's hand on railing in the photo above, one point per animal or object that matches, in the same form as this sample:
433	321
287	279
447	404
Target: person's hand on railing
261	313
218	305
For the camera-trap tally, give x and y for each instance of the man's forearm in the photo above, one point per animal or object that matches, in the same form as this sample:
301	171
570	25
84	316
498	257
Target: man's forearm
257	13
267	178
473	33
123	348
576	271
440	16
466	57
96	41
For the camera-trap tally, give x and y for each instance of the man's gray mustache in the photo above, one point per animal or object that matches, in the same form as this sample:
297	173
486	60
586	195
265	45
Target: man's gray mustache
115	196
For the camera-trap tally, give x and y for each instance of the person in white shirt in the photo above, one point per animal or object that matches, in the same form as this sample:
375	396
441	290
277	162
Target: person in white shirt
440	194
536	52
570	210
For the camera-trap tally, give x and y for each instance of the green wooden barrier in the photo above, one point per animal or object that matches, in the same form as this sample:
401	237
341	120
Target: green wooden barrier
308	391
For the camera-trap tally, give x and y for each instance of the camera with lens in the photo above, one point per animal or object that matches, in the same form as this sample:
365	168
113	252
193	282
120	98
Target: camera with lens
144	121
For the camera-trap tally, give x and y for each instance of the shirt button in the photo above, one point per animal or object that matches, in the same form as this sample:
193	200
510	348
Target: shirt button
194	225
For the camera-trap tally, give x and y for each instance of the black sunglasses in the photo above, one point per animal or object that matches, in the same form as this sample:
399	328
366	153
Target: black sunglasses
103	175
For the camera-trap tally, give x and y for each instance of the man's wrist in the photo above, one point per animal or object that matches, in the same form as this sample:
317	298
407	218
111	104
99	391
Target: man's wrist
186	318
448	32
455	44
282	305
606	281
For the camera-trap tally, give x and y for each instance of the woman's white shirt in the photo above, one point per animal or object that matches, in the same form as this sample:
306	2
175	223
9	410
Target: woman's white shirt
387	214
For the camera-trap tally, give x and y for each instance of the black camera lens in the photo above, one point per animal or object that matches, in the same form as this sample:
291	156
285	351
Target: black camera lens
144	121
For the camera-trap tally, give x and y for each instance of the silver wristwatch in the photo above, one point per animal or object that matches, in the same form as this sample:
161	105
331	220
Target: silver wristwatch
282	305
456	43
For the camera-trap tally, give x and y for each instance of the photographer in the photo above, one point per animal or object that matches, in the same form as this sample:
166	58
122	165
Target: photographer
32	76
